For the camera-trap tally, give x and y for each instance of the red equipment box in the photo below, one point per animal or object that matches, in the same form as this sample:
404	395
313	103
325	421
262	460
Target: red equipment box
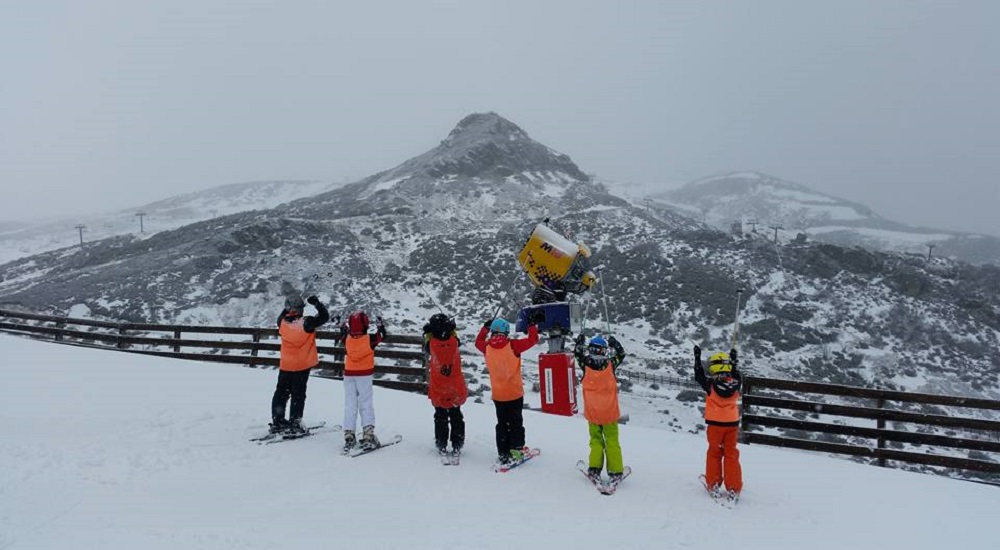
557	379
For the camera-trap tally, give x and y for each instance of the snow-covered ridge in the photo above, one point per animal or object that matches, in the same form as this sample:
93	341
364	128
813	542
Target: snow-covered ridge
756	199
170	213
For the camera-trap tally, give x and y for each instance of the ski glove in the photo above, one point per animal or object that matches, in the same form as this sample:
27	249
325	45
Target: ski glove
732	357
313	300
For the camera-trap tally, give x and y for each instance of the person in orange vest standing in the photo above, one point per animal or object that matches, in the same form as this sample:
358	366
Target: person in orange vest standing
446	389
359	370
503	360
599	360
298	357
722	416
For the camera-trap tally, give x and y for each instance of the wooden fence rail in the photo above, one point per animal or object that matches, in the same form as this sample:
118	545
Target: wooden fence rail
763	409
400	355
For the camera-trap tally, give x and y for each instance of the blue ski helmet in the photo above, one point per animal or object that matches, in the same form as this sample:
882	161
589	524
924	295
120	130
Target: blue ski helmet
598	347
500	325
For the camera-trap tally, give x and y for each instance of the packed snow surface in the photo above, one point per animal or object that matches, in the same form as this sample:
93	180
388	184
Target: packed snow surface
104	449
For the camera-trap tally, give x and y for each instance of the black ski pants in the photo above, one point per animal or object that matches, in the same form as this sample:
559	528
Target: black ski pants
445	418
510	425
290	384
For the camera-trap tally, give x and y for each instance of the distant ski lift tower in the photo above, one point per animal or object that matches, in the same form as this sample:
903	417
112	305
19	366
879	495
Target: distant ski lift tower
775	228
753	225
140	215
930	248
80	228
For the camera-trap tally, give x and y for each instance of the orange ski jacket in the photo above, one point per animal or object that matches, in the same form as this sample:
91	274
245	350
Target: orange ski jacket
447	387
600	396
298	347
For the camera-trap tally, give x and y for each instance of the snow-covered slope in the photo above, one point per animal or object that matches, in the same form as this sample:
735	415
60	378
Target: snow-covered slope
110	450
24	239
763	202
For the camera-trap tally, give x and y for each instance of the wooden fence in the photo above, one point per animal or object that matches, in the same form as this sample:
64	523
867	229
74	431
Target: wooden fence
767	402
399	356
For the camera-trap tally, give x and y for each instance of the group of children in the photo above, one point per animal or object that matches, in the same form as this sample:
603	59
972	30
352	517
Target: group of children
599	359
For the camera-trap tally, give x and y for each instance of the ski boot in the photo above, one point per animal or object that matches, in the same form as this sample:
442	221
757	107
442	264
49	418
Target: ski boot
368	439
594	474
278	426
295	427
516	455
349	440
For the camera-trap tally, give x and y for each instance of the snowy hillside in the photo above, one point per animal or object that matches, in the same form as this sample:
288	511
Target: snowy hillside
442	230
24	239
110	450
761	202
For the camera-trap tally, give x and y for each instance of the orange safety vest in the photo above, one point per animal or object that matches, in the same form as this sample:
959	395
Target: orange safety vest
505	373
360	359
298	347
722	410
446	391
600	396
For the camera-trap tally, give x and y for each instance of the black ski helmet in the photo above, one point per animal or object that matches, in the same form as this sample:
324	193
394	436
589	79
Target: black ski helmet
440	326
294	305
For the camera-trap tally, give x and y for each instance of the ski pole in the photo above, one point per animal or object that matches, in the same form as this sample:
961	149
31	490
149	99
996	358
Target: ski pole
604	298
736	322
429	297
503	300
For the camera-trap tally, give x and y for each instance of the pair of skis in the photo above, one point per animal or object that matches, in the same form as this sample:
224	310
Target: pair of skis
608	487
360	450
722	497
527	453
450	458
278	437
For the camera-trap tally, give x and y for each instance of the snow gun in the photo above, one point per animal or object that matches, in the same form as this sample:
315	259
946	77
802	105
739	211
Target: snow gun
557	267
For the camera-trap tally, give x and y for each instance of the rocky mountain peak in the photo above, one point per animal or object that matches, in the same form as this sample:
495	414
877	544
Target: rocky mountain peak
485	147
482	127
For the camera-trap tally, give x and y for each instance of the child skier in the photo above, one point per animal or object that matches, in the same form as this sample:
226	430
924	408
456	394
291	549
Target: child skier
722	416
599	360
298	357
503	360
446	389
359	369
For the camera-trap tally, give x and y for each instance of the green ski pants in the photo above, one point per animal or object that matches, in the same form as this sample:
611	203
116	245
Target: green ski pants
604	441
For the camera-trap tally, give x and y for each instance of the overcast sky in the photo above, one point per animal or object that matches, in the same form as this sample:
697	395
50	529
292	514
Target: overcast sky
894	104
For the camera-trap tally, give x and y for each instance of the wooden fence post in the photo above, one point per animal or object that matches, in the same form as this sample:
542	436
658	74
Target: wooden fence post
121	332
253	352
880	424
177	336
744	409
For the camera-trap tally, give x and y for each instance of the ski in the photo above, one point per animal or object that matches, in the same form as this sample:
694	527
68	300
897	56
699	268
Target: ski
612	485
359	451
726	499
529	453
270	438
596	481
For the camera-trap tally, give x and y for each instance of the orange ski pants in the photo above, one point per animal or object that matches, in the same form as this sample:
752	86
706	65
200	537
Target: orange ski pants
722	465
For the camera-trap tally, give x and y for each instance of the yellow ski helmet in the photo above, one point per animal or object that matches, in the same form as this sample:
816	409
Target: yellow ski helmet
719	363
